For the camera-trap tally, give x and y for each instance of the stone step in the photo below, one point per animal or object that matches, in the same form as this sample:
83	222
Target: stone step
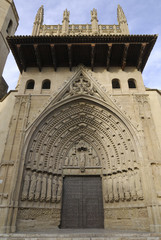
83	235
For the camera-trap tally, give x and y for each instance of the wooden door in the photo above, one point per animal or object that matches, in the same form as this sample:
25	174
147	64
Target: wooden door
82	205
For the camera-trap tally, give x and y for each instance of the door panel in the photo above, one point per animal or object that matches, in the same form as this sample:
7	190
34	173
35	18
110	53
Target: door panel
82	203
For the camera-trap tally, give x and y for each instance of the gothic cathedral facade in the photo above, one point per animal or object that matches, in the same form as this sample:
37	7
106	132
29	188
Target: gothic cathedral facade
80	135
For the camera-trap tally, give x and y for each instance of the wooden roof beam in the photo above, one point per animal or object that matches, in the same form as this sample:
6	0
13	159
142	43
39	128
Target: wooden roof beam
38	59
21	57
124	57
108	55
92	55
53	54
70	56
140	59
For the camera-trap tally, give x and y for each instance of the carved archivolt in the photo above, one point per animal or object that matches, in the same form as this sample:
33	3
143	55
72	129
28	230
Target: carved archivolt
81	134
56	137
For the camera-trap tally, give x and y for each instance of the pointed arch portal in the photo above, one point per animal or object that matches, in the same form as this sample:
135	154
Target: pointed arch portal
82	127
80	137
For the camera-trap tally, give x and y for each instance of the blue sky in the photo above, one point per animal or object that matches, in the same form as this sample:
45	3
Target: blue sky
143	16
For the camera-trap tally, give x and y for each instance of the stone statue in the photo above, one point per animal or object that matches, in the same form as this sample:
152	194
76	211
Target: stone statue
120	187
43	187
66	161
71	161
75	160
105	190
59	191
115	188
132	186
138	185
49	185
38	187
26	186
90	150
54	189
82	158
126	187
32	186
110	188
97	161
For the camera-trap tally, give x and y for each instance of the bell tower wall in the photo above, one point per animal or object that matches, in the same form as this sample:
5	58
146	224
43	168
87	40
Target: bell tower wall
8	24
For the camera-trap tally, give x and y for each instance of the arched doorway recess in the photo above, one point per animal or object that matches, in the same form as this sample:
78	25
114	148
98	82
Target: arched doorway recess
80	138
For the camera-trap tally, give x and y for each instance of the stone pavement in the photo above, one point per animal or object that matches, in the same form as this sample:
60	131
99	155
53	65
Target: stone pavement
83	234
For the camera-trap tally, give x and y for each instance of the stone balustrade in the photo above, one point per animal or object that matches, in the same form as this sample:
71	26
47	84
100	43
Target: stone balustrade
79	29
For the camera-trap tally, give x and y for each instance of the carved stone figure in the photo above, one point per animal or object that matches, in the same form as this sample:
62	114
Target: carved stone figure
49	186
105	190
38	187
32	186
115	188
59	191
120	187
54	189
26	186
82	155
97	161
110	188
71	161
66	161
82	159
75	160
132	186
138	185
126	187
90	150
51	163
43	187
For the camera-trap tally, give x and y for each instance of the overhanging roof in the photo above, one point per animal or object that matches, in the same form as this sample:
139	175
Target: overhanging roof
92	51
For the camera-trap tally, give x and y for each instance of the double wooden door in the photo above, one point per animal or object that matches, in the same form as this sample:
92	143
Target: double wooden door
82	205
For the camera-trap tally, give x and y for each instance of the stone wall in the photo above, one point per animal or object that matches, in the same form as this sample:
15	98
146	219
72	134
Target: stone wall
3	87
54	132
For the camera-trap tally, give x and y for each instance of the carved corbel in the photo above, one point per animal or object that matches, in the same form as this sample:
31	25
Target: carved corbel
92	55
53	54
108	56
70	56
140	59
124	58
38	58
21	57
